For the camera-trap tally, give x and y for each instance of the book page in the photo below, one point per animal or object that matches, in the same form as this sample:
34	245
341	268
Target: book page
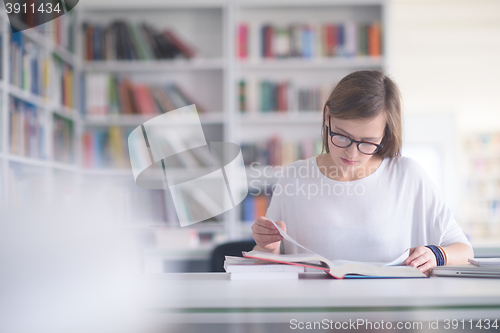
399	261
288	238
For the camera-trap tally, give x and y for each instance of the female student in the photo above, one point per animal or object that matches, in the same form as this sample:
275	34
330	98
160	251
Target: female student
361	200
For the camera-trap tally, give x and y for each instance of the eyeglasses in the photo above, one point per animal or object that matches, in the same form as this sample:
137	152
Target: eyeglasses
342	141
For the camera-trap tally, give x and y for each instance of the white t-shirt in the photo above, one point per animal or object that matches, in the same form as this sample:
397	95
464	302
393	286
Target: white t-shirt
375	218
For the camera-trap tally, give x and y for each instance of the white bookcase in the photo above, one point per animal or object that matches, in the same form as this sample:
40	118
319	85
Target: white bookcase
213	75
36	176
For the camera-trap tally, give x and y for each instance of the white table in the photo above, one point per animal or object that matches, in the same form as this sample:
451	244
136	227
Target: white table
213	298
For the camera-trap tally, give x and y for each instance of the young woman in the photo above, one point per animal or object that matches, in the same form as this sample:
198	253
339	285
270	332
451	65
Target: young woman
361	200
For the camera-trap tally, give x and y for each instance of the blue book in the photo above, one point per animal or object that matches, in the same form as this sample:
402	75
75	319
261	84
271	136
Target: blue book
340	40
248	208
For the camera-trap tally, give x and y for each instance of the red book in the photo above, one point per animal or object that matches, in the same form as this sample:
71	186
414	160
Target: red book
186	50
242	41
328	40
124	98
282	93
87	150
89	37
268	41
145	102
261	204
334	38
374	39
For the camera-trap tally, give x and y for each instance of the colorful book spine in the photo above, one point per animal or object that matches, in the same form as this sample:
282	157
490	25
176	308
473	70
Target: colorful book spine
346	39
27	66
63	141
242	44
277	152
282	96
254	206
106	148
121	40
26	130
107	94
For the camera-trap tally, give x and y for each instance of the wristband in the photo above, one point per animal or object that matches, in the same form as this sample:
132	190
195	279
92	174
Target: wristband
444	254
437	254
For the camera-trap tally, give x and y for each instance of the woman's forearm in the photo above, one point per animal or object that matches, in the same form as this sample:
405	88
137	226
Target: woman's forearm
458	253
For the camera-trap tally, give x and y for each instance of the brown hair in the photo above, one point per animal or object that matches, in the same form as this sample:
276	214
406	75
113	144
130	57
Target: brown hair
364	94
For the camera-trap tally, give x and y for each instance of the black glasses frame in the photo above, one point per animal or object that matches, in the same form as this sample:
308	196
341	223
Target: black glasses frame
379	146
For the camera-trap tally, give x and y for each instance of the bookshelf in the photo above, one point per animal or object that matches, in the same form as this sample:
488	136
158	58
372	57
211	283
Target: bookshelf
212	76
481	183
37	110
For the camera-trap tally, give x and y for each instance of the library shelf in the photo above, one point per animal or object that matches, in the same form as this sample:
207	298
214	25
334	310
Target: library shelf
136	120
277	117
311	64
29	97
45	42
125	66
65	112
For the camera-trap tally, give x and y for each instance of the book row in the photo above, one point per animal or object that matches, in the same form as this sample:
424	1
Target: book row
59	30
277	152
107	95
122	40
106	148
484	167
483	143
29	66
254	206
348	39
35	71
27	132
484	212
62	135
484	189
280	96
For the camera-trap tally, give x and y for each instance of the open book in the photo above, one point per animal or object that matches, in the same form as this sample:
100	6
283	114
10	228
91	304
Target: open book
339	268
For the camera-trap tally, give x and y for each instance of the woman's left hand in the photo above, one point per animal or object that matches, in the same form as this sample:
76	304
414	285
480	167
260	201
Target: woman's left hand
423	258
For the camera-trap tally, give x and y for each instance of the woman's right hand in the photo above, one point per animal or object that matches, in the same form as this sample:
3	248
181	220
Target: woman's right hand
266	235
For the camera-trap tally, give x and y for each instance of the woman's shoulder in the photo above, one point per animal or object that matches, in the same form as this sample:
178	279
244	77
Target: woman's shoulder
305	168
406	167
403	162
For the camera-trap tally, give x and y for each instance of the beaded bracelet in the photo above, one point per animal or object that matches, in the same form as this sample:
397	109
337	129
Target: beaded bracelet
437	252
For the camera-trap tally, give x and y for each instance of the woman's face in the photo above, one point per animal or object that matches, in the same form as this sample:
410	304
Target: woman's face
367	130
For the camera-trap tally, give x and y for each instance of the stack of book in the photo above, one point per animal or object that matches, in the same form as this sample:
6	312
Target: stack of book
26	129
125	41
276	152
281	96
240	268
28	65
348	39
107	95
